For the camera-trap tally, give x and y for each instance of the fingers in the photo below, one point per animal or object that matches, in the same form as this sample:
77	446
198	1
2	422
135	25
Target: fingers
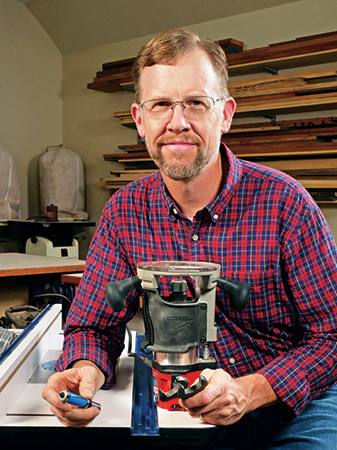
91	378
75	416
213	404
225	399
83	380
218	385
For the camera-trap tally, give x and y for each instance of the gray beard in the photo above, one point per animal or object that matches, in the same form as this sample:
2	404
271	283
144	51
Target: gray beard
180	172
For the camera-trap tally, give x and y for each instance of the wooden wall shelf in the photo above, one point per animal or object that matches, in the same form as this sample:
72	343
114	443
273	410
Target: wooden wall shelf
306	149
306	51
117	75
300	52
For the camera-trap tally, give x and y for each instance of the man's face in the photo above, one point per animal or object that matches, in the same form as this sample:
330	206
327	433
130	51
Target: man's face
182	147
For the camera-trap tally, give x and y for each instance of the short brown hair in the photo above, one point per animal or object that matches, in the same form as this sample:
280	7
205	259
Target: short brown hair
168	46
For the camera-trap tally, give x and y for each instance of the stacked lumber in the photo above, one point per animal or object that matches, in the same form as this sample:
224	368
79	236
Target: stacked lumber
125	118
287	138
299	91
283	138
117	75
118	179
113	75
312	90
305	149
321	80
302	51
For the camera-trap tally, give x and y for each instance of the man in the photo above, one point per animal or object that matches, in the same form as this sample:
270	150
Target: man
275	385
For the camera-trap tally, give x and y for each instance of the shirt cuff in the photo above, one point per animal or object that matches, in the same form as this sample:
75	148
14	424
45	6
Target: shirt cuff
88	347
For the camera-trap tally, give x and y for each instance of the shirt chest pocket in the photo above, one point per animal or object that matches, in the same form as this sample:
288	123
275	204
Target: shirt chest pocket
267	305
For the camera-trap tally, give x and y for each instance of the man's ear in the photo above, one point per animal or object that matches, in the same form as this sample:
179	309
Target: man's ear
135	111
228	113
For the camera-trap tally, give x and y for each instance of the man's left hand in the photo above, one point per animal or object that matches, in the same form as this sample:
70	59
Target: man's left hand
226	399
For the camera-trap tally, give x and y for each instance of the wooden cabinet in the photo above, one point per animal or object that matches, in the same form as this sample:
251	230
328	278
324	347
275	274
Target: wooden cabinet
304	148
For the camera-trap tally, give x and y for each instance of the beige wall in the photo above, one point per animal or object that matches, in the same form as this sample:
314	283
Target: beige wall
30	95
42	106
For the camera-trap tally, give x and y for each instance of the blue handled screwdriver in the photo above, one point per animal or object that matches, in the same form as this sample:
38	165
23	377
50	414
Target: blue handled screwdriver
77	400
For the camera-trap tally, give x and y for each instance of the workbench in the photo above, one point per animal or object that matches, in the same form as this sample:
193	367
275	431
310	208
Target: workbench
25	416
23	276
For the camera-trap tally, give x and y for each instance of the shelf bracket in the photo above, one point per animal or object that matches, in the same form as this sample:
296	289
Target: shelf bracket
270	116
269	69
127	87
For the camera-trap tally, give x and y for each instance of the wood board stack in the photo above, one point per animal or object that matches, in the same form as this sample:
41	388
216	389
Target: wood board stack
117	75
305	149
292	92
303	51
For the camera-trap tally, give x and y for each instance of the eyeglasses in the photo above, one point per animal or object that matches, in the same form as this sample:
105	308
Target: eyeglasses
193	107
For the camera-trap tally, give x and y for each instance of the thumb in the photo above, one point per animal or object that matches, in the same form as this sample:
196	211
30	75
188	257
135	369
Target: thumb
88	381
86	391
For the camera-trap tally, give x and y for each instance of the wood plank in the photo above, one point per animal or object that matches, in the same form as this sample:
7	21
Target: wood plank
284	149
301	165
124	176
119	63
103	185
285	134
310	183
286	102
323	79
264	138
121	114
128	157
136	159
311	44
231	45
110	85
133	148
321	36
127	171
290	62
295	124
72	278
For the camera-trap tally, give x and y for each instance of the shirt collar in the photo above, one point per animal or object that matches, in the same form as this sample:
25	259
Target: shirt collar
233	178
216	207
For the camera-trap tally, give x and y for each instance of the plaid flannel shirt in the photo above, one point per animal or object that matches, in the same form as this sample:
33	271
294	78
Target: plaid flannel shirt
263	229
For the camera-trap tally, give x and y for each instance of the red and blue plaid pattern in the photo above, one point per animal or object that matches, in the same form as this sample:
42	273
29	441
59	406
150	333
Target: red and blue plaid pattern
264	229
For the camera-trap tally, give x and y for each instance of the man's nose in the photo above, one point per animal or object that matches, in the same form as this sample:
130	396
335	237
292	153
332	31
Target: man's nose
178	119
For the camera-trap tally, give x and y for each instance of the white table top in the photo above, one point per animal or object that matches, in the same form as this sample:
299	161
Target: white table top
31	410
16	264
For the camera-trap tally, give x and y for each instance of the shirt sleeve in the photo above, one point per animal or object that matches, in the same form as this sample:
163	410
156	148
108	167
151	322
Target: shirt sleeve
93	331
310	281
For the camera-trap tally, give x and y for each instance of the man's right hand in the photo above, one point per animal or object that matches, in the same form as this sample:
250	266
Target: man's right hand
85	379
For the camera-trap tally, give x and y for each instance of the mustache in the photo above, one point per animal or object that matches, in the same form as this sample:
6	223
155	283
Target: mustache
187	138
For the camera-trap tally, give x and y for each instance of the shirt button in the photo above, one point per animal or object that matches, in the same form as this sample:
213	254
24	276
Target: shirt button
175	212
231	360
215	217
195	237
